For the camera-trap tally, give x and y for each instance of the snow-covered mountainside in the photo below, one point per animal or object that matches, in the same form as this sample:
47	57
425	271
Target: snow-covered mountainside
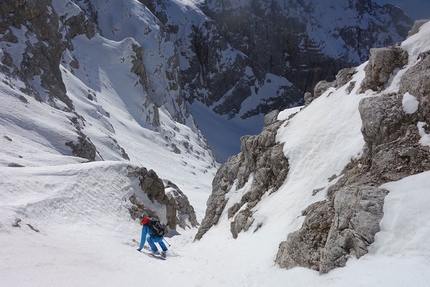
246	58
95	131
321	200
226	62
71	96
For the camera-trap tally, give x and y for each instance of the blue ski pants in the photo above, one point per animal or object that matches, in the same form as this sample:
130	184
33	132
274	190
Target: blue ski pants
151	241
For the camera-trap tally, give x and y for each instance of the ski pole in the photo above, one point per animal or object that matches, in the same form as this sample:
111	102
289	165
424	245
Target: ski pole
166	242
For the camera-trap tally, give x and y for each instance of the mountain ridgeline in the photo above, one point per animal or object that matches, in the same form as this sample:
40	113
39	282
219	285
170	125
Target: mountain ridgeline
241	59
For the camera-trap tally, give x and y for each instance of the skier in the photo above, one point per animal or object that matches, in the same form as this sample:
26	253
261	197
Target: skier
146	230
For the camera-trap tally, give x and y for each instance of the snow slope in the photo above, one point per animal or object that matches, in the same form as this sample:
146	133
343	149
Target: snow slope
85	231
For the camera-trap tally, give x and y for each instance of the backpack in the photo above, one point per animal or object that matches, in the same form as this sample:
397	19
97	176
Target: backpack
156	227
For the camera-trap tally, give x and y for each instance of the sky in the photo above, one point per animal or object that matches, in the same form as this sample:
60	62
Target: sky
416	9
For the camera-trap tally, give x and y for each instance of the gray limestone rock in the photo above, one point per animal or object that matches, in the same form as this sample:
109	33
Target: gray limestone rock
348	220
304	247
179	211
392	149
321	87
417	25
342	78
357	213
333	229
416	80
382	64
185	214
345	223
261	155
83	148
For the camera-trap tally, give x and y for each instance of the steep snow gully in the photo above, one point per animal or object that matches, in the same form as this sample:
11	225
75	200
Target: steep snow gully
65	219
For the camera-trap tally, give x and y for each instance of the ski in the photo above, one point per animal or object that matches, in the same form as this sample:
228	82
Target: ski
154	255
158	255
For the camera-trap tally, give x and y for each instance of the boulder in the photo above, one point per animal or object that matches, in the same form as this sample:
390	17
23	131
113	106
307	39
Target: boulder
176	208
382	64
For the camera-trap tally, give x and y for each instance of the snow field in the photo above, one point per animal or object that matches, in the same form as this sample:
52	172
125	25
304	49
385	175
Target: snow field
85	232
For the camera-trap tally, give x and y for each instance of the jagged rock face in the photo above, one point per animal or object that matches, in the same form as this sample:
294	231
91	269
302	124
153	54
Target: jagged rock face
37	24
357	213
43	36
347	221
185	214
178	211
342	77
38	59
391	132
261	156
268	36
416	81
392	139
228	53
277	39
41	58
382	63
212	66
83	148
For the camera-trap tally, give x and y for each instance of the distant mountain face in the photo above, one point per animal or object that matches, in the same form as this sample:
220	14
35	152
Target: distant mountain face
309	40
235	60
243	59
232	53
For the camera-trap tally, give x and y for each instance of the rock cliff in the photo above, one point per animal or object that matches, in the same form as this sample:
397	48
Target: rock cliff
303	41
348	220
261	164
393	122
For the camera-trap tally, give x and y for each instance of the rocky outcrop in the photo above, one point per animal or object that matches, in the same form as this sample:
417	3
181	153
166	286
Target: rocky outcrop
392	138
176	208
416	81
382	63
262	157
41	58
342	78
344	223
185	214
391	133
83	148
347	221
416	27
